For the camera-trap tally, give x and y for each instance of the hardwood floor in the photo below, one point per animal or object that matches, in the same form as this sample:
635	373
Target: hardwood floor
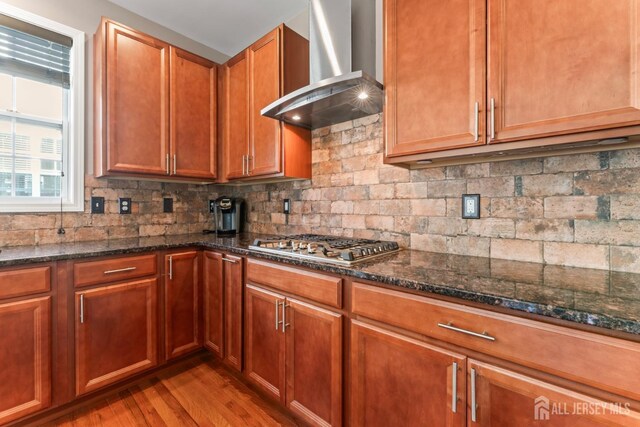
199	393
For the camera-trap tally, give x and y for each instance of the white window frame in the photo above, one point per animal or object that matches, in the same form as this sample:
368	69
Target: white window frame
73	143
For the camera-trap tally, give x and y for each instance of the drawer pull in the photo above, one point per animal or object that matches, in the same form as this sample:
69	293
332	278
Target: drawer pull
121	270
232	261
483	335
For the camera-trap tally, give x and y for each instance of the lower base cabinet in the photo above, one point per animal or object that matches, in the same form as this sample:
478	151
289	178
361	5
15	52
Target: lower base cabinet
294	353
398	381
500	397
116	333
25	361
182	304
223	276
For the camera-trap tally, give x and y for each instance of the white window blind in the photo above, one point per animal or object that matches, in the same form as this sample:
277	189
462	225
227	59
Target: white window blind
34	52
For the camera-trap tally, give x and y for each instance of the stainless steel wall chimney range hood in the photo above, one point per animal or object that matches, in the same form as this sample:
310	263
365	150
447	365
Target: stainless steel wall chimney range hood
336	93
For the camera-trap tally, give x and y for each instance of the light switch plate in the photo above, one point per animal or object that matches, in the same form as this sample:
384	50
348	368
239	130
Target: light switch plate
97	205
470	206
286	206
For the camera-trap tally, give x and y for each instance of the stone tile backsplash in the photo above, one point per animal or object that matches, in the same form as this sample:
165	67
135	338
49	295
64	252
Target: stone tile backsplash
190	214
580	210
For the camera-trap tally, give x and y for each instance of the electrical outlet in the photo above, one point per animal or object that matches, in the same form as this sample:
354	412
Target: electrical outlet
470	206
97	205
286	206
167	205
124	204
212	206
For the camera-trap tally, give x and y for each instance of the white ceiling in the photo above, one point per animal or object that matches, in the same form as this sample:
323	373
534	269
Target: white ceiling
225	25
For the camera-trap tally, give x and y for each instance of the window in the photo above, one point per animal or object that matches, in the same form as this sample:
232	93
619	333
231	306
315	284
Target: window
41	114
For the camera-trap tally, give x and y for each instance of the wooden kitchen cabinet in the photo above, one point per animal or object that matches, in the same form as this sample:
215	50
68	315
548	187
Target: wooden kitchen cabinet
233	305
313	363
182	304
399	381
503	397
427	106
264	341
223	280
155	108
116	333
293	352
25	358
551	74
236	115
550	79
193	115
213	289
131	102
257	146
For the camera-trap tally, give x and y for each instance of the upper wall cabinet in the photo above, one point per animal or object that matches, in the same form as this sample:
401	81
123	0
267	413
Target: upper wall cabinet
257	147
550	78
155	107
434	74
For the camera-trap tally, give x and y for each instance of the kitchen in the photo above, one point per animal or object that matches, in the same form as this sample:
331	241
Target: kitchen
325	212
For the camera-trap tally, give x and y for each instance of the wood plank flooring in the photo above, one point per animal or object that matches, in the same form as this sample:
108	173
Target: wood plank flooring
198	393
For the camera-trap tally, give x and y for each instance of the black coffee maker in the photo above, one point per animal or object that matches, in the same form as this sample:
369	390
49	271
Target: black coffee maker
228	215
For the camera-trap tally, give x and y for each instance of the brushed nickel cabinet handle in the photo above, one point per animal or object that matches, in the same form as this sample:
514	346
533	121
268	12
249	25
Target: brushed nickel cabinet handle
474	417
121	270
168	168
277	314
244	163
284	316
493	118
81	308
476	135
175	164
170	268
232	261
450	327
454	387
249	159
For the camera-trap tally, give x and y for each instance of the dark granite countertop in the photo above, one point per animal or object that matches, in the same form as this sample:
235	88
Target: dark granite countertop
599	298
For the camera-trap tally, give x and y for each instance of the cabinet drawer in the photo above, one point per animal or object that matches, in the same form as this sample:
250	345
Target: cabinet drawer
114	269
604	362
25	281
314	286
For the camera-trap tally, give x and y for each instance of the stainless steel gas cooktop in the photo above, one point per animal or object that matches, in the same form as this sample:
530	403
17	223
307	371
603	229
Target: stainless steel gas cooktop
330	249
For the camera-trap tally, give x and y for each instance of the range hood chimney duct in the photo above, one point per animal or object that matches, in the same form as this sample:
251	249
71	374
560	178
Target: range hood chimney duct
342	37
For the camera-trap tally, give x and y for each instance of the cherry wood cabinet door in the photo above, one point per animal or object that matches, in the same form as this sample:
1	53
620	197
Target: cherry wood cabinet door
236	127
182	300
264	341
314	363
399	381
233	283
116	333
137	117
213	283
264	88
25	358
504	397
193	86
550	73
435	62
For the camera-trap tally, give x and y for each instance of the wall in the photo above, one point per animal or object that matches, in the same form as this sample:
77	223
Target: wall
190	214
581	210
